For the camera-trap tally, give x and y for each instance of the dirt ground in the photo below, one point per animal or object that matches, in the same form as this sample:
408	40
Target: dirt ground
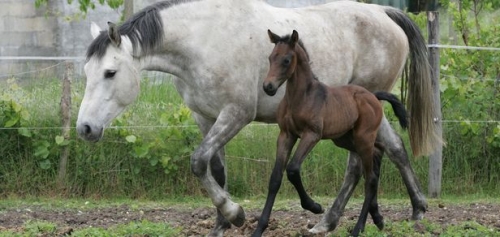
198	222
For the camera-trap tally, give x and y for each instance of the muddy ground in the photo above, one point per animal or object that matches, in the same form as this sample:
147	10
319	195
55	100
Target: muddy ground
198	221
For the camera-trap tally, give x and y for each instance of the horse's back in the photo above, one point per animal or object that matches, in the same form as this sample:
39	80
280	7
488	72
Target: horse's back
348	42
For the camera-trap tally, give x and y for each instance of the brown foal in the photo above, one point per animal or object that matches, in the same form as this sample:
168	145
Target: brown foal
348	115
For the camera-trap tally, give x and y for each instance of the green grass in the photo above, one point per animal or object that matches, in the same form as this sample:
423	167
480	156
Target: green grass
108	170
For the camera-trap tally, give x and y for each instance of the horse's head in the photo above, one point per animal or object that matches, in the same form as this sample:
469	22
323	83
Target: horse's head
282	60
112	81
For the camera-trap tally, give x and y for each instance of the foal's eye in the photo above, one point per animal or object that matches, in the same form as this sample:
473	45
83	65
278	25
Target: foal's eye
109	74
287	61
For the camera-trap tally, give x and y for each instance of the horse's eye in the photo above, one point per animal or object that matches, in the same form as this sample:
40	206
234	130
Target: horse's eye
109	74
287	61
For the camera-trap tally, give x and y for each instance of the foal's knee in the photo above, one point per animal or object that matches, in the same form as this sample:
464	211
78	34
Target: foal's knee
293	173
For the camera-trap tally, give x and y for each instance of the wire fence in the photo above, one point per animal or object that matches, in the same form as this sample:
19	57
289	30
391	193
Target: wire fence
74	59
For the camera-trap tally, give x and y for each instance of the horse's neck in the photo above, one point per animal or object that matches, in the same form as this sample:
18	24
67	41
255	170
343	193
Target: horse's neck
302	79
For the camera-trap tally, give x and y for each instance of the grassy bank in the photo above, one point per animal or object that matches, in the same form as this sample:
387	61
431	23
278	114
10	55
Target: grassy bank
145	154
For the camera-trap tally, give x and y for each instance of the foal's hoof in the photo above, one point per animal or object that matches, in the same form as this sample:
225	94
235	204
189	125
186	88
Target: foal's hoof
379	223
315	208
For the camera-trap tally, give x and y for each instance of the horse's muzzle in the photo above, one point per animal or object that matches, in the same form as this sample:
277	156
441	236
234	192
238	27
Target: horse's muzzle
269	88
89	132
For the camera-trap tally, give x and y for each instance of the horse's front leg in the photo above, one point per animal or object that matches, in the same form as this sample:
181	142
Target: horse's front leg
306	144
396	152
217	167
284	148
229	122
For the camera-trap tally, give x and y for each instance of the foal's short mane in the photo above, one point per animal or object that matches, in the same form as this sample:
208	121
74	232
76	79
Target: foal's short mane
286	39
145	29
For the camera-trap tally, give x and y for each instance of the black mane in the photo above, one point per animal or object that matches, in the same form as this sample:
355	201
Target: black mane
145	29
286	39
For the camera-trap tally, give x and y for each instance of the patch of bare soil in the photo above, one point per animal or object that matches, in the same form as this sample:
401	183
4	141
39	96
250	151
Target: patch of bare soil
198	222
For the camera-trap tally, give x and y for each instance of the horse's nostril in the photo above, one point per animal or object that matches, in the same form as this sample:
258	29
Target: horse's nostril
87	129
268	87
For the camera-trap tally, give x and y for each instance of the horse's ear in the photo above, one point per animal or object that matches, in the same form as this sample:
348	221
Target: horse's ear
95	30
294	38
114	35
273	37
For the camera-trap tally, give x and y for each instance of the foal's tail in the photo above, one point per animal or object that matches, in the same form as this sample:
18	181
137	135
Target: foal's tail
397	106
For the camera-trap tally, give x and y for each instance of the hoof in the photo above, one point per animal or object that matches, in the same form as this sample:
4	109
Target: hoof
317	209
321	227
418	214
419	210
379	224
239	219
356	231
233	213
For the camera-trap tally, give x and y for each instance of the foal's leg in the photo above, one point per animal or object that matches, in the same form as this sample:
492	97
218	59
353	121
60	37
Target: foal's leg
229	122
397	153
217	164
284	148
371	187
352	175
378	220
364	142
307	143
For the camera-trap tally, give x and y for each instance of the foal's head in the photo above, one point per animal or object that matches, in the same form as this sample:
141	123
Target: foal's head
283	61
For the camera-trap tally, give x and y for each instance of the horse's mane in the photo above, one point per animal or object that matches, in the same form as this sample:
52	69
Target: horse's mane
145	29
286	39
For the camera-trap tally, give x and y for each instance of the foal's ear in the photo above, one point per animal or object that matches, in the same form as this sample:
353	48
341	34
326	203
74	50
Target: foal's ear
273	37
294	38
114	35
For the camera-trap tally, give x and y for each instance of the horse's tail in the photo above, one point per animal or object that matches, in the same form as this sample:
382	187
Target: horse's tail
397	106
422	131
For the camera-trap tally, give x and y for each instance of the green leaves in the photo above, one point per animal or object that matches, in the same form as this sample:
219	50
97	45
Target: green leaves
170	145
42	149
61	141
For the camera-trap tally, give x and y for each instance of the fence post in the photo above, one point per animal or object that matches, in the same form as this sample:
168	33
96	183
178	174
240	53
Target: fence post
66	122
435	159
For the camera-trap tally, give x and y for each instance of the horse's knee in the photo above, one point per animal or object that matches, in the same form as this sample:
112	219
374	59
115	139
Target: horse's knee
293	173
198	165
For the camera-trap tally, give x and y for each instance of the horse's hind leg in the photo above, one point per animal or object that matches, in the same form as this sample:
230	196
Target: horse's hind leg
331	218
397	153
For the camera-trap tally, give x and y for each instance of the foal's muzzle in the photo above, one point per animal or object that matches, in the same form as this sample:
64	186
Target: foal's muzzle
269	88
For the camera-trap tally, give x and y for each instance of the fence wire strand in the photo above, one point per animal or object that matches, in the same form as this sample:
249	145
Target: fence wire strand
70	58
